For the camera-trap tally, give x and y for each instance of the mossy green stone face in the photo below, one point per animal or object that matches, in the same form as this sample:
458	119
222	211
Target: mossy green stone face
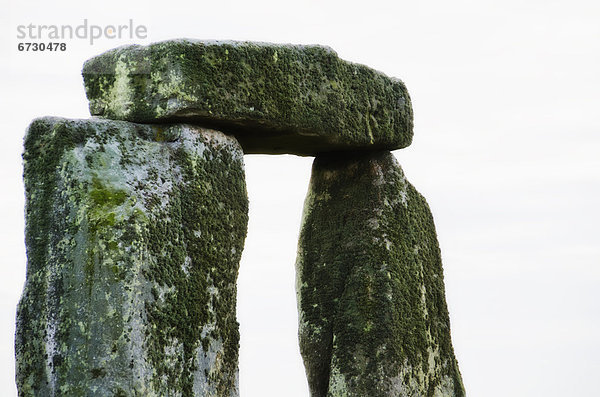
373	316
134	235
275	98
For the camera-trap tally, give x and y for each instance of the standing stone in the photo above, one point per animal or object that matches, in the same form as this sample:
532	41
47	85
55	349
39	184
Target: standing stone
373	315
134	234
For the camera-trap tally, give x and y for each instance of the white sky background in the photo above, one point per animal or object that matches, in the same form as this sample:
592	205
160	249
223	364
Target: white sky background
506	150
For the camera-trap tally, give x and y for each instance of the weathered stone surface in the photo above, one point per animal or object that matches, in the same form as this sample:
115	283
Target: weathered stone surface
274	98
373	316
134	234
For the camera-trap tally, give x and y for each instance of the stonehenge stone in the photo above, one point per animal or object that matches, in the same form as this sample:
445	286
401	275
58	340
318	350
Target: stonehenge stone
274	98
134	234
371	302
136	220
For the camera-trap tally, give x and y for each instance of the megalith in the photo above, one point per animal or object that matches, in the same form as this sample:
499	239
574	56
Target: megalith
136	220
371	302
273	98
134	234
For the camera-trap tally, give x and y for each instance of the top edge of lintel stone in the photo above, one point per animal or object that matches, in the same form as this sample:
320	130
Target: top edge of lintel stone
213	42
275	98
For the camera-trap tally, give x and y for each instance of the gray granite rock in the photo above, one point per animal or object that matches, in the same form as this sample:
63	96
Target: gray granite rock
274	98
134	234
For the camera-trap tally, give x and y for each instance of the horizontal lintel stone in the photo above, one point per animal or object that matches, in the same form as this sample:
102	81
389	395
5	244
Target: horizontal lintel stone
275	99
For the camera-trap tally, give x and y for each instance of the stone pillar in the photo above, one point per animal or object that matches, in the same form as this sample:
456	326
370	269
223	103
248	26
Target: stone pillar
373	316
134	234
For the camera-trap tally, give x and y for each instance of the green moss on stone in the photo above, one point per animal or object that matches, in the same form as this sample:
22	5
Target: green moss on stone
370	284
119	282
102	196
209	209
274	98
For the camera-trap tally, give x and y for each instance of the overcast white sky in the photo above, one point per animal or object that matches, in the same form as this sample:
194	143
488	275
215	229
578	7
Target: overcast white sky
506	150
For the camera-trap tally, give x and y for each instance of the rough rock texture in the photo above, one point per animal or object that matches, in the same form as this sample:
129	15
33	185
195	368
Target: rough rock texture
274	98
373	316
134	234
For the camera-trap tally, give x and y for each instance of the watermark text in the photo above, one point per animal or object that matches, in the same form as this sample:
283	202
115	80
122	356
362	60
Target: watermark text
85	30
